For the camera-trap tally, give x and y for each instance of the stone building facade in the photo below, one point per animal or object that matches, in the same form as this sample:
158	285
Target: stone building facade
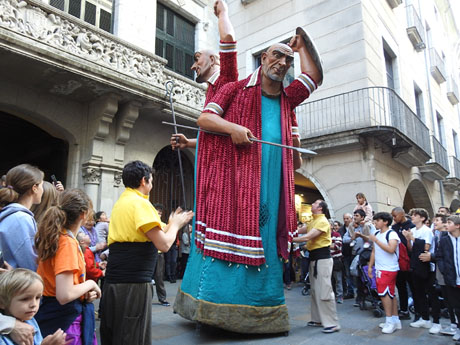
80	97
80	102
386	119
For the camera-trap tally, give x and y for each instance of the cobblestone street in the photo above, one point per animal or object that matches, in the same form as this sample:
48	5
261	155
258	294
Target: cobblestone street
358	327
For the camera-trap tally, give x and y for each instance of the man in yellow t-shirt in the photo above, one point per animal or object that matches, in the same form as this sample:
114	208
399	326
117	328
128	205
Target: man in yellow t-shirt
134	237
318	238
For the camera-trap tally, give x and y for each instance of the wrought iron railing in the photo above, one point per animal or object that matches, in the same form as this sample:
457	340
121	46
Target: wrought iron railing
437	62
359	109
452	89
440	153
455	167
413	20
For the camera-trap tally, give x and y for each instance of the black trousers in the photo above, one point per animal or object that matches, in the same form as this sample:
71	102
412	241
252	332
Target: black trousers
454	299
448	303
433	297
126	314
421	286
402	279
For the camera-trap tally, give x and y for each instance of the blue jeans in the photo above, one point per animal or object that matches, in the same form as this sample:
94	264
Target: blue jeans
349	279
171	263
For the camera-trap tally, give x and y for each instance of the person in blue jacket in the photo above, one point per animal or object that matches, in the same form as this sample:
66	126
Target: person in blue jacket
24	188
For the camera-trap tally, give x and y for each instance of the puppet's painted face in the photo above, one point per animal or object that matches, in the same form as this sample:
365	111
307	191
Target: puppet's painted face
276	61
202	66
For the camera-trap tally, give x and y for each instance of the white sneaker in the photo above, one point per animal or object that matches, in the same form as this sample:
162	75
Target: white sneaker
457	335
398	325
420	323
435	329
449	330
388	328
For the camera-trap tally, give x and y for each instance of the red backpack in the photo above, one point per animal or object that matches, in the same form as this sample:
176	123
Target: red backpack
403	258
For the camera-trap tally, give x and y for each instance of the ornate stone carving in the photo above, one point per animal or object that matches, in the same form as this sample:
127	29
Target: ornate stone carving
91	175
117	179
102	111
94	46
128	115
186	93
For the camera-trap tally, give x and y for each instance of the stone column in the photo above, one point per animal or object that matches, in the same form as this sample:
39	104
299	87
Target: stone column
91	180
135	22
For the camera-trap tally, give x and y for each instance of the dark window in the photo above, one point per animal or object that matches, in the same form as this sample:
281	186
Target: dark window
418	101
161	17
389	70
457	150
105	20
175	40
158	47
90	13
59	4
440	124
75	8
188	62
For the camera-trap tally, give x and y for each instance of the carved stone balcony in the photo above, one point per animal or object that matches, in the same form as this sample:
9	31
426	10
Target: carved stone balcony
438	167
339	123
394	3
437	67
415	29
452	182
452	91
45	48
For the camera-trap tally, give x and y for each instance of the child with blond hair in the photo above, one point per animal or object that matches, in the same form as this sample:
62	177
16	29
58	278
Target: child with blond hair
20	293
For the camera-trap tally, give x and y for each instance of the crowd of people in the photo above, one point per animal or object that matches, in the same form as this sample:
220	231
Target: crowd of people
403	259
59	255
54	261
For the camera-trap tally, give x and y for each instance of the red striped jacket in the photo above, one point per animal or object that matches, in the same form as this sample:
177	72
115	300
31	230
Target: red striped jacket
228	177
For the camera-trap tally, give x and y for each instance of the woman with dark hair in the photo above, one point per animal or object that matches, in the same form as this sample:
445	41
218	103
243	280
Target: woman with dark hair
24	188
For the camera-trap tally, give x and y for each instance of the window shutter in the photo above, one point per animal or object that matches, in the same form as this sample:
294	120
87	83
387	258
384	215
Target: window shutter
169	55
175	41
90	13
159	47
75	8
161	17
59	4
105	20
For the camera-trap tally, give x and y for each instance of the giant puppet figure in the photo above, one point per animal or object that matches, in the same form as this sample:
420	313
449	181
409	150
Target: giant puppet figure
245	209
215	70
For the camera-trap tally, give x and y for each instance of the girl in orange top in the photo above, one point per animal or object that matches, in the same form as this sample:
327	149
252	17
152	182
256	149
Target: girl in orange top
68	296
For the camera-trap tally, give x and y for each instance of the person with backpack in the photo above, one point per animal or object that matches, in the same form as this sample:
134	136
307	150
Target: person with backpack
400	223
385	256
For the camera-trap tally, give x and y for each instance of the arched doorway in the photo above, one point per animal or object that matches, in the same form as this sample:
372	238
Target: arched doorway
417	196
306	193
23	142
167	188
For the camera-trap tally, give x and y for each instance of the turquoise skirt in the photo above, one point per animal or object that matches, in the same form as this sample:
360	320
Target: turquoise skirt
238	297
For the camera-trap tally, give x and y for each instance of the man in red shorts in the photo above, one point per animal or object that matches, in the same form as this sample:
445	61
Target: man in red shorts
385	256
